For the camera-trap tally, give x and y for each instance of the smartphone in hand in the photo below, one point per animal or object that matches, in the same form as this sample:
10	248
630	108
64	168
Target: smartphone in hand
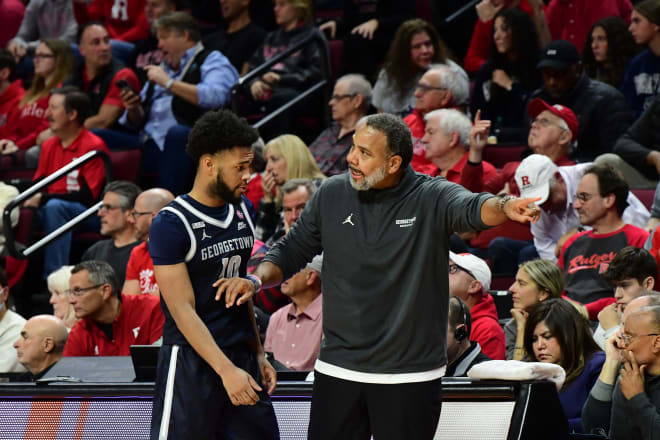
123	84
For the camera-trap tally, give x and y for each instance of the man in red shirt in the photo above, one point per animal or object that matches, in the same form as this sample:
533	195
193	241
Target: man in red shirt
140	268
109	321
69	196
124	19
98	76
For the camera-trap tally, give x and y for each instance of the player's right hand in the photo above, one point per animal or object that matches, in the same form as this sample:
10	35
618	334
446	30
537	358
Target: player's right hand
232	288
241	387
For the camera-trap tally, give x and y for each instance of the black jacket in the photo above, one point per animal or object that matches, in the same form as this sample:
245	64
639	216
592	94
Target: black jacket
640	139
602	111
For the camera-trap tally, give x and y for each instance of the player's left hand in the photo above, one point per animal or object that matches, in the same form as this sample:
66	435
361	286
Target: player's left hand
268	374
522	210
233	288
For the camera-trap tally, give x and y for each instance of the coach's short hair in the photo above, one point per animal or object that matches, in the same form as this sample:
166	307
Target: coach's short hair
397	133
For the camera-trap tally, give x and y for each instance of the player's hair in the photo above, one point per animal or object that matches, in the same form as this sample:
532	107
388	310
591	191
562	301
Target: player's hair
219	130
99	272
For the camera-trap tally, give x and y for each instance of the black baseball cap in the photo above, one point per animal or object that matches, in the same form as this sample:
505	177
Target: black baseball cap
559	54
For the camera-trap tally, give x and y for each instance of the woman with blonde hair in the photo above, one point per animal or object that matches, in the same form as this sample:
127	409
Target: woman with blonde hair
287	157
58	286
53	62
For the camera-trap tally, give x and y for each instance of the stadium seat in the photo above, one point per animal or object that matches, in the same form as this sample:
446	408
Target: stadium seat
499	155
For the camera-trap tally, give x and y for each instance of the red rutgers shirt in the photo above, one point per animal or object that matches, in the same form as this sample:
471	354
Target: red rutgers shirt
585	256
140	322
140	267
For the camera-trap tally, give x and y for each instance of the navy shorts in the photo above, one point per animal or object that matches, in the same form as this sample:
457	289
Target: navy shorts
190	401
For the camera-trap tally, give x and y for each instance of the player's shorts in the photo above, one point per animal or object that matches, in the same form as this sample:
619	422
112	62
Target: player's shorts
190	401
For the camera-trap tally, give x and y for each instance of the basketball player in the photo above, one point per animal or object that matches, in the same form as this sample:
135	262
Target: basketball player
213	380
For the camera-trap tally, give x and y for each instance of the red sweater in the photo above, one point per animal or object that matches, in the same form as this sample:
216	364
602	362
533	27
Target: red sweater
8	104
486	329
140	322
127	24
26	123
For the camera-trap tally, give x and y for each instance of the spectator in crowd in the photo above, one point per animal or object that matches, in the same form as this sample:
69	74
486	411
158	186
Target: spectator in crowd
348	104
240	38
44	19
295	331
58	286
416	45
446	143
553	131
631	273
504	82
125	21
557	333
285	80
11	15
366	29
469	280
11	324
71	195
442	86
110	322
295	195
482	35
600	200
637	152
462	352
40	345
118	223
98	75
140	278
11	90
7	194
624	400
146	51
53	62
536	281
557	186
191	80
572	21
602	110
640	83
287	157
608	50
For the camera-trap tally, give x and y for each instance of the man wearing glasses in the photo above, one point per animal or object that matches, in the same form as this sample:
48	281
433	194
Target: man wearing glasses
469	280
110	322
627	408
118	223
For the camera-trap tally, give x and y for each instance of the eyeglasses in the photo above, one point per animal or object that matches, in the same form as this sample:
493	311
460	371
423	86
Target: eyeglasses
583	197
544	122
425	88
340	97
453	268
108	207
627	338
80	291
137	214
43	55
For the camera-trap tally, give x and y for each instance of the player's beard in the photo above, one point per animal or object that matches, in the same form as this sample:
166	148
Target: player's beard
220	189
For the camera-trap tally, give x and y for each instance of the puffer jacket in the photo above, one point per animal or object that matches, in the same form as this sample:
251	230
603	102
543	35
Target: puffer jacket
640	139
602	112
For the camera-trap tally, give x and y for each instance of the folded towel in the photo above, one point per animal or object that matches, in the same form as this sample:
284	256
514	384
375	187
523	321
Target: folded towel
518	370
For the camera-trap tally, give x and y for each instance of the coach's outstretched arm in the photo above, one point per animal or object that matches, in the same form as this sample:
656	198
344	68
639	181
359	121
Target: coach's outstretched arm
497	210
268	273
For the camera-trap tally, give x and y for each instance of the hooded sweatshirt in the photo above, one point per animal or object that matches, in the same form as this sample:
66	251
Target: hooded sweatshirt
9	103
486	328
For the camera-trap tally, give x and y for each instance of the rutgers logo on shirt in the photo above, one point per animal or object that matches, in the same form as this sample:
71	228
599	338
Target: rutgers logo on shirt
72	183
119	10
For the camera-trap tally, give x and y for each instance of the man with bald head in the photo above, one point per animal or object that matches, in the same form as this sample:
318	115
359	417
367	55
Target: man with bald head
140	268
627	406
40	345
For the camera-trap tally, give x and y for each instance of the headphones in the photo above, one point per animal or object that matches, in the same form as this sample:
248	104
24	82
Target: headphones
460	333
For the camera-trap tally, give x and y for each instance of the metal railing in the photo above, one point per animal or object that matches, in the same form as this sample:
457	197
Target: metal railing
314	38
10	241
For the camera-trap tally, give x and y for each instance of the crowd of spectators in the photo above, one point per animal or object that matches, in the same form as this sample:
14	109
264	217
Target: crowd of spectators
574	83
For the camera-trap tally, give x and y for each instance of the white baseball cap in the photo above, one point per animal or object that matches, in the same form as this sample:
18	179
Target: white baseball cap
475	266
533	177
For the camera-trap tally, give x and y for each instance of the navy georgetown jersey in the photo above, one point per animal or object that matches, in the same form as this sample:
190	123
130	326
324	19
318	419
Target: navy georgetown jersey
214	243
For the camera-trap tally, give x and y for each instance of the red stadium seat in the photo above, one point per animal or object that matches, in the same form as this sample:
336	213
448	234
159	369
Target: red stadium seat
645	196
499	155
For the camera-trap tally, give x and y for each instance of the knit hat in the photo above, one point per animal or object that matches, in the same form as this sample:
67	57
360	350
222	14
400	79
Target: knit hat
649	9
